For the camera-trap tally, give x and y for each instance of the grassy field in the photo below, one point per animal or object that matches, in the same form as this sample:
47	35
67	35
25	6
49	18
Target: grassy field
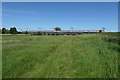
79	56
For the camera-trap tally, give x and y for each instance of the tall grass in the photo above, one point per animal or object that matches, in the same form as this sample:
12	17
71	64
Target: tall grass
79	56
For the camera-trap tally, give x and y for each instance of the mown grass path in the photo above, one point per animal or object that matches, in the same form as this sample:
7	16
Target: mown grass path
80	56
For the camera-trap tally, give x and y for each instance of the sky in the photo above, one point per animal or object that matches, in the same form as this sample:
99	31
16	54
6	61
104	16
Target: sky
48	15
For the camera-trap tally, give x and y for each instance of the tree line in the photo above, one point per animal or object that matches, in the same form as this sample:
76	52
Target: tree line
14	30
11	31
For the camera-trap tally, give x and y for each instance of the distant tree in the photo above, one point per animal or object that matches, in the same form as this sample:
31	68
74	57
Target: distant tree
26	32
57	29
100	31
4	30
13	30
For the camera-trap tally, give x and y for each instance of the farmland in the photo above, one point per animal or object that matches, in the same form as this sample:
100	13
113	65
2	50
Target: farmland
73	56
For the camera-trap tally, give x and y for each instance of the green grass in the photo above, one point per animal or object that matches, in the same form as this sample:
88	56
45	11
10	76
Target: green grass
79	56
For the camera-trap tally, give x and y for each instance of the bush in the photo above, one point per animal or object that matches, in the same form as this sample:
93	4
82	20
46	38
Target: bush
62	33
39	33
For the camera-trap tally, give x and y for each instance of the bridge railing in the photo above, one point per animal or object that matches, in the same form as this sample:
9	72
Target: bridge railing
66	31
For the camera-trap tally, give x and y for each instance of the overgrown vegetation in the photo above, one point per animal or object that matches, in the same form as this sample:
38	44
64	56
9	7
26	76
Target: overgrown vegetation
78	56
111	37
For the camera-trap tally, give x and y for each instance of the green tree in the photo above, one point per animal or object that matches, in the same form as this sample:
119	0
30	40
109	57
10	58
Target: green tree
13	30
100	31
57	29
26	32
4	30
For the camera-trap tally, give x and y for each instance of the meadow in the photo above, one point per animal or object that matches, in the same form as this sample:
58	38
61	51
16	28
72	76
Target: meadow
71	56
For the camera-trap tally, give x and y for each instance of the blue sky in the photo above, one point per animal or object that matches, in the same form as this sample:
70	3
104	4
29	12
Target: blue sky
47	15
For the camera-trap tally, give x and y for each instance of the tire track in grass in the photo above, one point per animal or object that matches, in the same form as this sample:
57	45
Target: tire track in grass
23	56
59	64
52	51
61	67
